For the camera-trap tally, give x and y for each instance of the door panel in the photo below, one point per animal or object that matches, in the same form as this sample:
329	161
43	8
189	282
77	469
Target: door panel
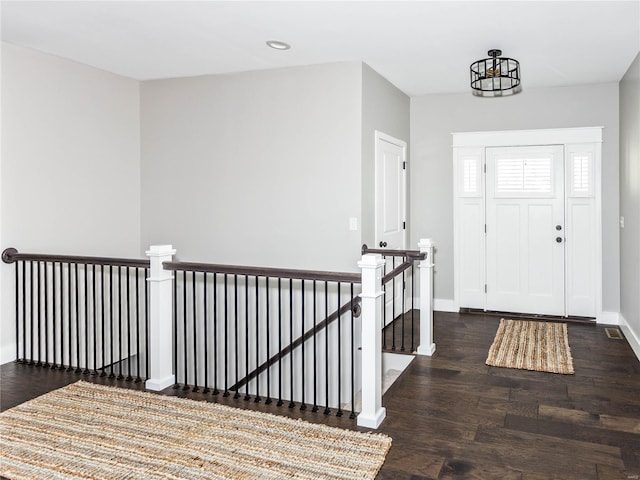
390	211
525	203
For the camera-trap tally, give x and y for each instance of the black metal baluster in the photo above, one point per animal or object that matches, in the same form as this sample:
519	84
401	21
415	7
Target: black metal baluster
412	319
104	323
339	412
175	330
54	363
24	312
86	321
70	314
257	399
185	340
393	305
404	296
111	323
303	405
38	319
226	336
120	376
146	322
206	333
95	325
268	346
138	351
384	306
128	306
77	289
280	402
215	334
246	335
291	402
61	316
195	335
353	359
315	352
18	315
235	329
46	317
327	410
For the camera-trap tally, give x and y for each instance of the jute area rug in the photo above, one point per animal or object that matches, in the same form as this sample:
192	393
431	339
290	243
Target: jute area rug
89	431
539	346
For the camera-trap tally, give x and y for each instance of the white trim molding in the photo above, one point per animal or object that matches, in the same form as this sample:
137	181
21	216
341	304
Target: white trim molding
445	305
609	318
630	335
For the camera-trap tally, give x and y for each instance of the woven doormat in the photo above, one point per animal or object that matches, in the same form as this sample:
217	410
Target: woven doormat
86	430
539	346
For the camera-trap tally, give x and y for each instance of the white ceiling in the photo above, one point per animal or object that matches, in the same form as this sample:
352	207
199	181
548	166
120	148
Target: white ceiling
421	46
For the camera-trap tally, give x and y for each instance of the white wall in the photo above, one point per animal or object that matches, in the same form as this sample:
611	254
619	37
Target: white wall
386	109
258	168
70	164
435	117
630	204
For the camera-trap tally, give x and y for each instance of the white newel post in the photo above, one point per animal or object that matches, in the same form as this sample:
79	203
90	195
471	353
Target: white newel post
373	413
427	347
160	316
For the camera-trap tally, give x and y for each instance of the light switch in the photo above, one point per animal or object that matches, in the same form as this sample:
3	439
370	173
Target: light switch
353	223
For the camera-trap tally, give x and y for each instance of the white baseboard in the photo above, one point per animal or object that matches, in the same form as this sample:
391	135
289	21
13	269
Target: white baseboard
445	305
632	337
609	318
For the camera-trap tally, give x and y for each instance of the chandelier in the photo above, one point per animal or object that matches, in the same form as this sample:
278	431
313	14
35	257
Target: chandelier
495	76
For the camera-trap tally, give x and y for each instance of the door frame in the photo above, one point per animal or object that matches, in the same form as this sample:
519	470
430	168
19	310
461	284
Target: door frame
477	142
380	136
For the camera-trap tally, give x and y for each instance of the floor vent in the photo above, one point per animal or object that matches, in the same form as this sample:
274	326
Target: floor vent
614	333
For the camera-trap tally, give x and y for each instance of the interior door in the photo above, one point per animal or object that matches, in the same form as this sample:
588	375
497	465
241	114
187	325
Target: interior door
390	215
525	229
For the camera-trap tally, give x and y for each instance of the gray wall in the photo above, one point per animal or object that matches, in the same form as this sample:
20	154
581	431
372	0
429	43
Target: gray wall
386	109
435	117
630	199
258	168
70	164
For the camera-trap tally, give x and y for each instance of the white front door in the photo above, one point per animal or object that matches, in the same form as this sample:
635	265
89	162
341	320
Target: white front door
390	211
525	229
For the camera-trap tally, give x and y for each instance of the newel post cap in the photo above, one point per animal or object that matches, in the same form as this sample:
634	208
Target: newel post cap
160	250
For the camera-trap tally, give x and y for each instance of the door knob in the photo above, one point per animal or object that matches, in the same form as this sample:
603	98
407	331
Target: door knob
559	239
383	244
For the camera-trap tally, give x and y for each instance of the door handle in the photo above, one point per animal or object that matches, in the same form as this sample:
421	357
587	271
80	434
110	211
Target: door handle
383	244
559	239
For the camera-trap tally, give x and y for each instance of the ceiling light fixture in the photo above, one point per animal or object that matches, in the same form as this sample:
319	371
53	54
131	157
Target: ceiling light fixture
495	76
278	45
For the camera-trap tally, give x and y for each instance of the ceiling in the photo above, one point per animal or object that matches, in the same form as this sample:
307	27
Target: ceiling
422	47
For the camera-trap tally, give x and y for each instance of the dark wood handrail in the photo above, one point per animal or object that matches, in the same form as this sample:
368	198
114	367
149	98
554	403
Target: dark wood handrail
396	271
415	254
343	277
11	255
299	341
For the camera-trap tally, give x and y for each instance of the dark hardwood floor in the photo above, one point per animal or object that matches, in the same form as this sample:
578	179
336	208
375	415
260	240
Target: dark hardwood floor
453	417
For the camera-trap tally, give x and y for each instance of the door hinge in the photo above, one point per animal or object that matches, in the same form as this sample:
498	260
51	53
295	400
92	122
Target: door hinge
484	167
485	288
485	228
404	225
404	165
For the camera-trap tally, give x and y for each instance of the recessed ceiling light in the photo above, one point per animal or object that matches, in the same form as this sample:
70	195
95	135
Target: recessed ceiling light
278	45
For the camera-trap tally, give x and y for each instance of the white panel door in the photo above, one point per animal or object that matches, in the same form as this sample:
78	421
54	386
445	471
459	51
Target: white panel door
525	229
390	218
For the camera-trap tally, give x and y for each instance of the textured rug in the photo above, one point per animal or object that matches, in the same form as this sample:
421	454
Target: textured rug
94	431
539	346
